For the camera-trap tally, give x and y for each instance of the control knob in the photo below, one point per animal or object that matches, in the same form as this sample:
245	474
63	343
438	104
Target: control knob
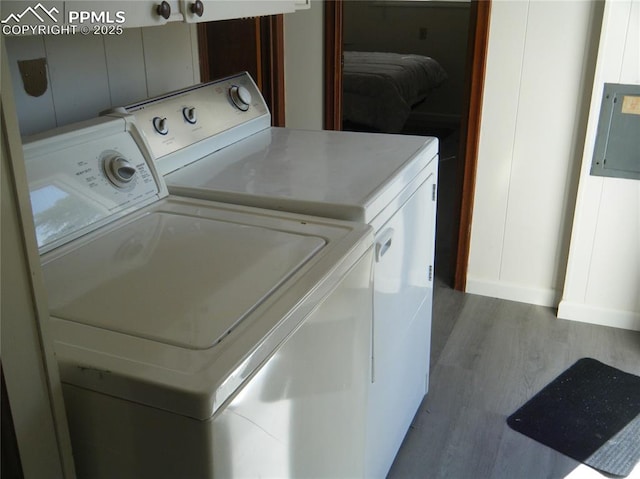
160	125
119	170
189	113
240	96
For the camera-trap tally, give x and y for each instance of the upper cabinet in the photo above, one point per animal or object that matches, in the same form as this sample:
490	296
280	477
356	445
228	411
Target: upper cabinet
34	17
128	14
208	10
44	17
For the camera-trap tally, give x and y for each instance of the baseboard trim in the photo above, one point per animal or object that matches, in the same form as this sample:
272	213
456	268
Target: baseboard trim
513	292
586	313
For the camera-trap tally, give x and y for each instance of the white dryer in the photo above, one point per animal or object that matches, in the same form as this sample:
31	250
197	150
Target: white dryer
214	141
197	339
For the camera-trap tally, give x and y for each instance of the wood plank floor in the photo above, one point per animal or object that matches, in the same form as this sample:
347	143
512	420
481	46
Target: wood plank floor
489	356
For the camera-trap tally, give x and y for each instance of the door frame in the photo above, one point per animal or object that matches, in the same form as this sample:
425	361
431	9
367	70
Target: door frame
272	47
333	64
470	122
477	50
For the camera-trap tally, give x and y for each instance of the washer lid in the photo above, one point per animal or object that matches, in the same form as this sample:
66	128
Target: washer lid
177	279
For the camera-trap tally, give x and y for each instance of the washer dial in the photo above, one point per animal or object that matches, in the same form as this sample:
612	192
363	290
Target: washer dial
119	170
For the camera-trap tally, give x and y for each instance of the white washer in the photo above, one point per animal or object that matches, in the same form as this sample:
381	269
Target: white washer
197	339
214	141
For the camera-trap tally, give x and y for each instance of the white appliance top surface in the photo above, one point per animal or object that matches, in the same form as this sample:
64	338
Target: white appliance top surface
176	305
343	175
182	280
167	301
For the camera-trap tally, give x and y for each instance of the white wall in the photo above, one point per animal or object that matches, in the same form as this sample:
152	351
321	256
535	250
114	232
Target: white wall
540	66
88	74
603	275
304	67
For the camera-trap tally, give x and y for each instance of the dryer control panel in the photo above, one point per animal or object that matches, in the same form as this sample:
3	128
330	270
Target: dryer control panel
85	175
185	125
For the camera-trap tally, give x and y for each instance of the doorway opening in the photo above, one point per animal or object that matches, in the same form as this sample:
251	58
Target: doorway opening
457	179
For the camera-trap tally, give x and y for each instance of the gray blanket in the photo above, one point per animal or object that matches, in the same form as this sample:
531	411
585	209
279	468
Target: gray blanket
379	89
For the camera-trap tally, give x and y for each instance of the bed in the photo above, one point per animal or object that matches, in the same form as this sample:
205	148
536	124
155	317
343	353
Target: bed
380	89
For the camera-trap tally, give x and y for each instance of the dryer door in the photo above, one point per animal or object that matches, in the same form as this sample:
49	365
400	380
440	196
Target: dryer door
403	289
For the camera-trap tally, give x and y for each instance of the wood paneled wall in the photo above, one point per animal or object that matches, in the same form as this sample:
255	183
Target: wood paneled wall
539	73
602	284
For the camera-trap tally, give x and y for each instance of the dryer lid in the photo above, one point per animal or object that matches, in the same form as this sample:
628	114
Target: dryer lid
342	175
180	280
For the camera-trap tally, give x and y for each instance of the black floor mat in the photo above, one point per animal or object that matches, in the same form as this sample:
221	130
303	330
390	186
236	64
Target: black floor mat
591	413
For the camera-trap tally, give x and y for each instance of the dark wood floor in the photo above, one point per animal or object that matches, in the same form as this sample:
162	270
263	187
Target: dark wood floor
489	356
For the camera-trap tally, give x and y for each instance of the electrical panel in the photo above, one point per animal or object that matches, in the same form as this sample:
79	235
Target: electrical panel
617	148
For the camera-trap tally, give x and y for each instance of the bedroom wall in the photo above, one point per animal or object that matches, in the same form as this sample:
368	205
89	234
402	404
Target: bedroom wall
539	75
101	71
435	29
603	275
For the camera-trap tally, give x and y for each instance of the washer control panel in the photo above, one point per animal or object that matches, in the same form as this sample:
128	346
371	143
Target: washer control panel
211	116
84	177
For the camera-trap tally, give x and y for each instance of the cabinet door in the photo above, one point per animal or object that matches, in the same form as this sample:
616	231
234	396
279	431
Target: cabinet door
206	10
127	14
